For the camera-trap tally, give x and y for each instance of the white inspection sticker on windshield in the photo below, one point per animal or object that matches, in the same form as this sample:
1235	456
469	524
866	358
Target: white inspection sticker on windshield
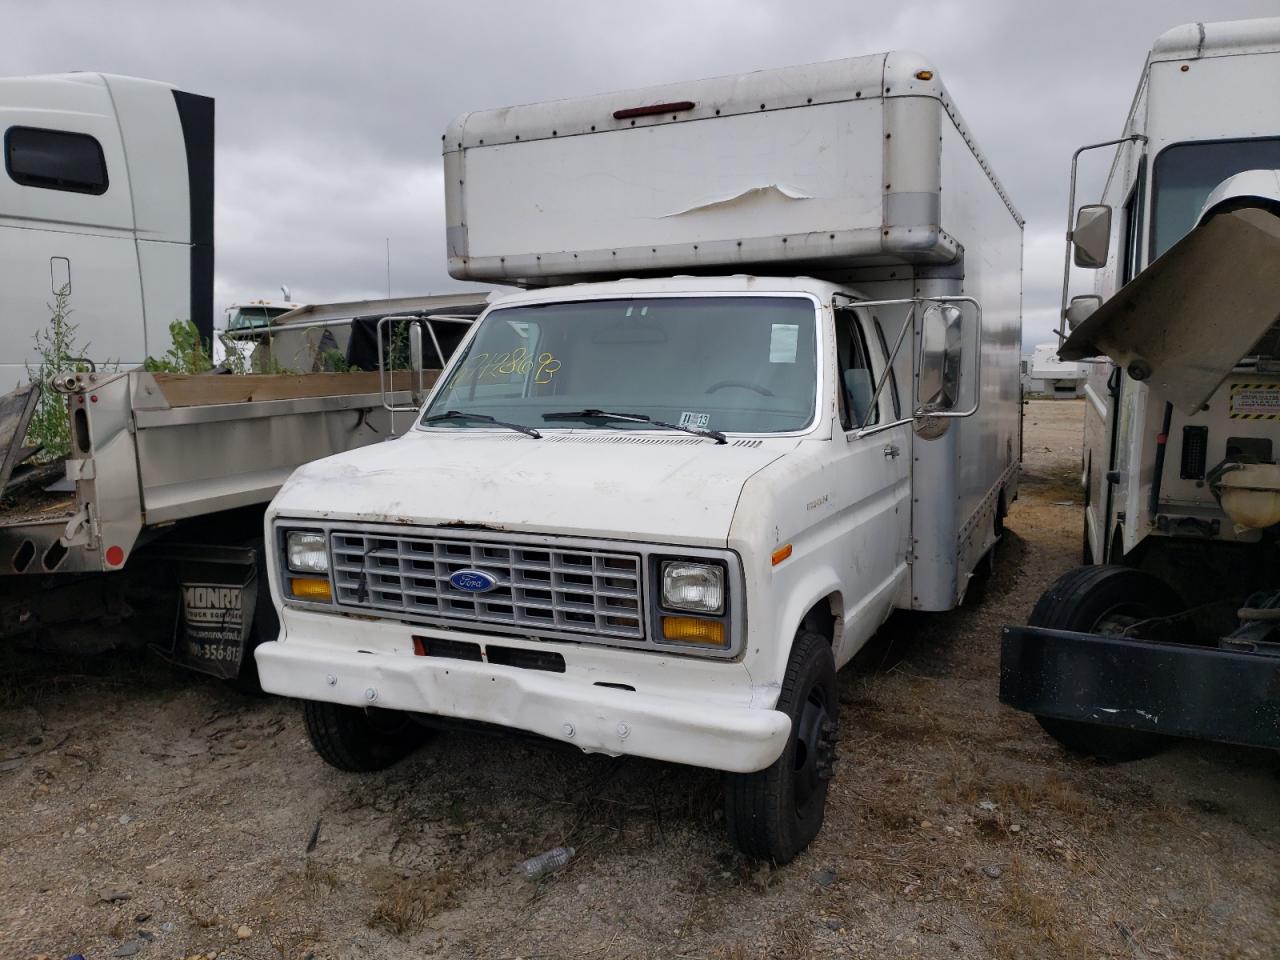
699	421
783	342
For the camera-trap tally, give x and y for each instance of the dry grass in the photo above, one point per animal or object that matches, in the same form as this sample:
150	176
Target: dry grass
966	785
1179	851
406	904
296	944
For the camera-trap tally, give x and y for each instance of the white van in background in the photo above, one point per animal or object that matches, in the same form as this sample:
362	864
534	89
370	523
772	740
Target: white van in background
1048	375
107	192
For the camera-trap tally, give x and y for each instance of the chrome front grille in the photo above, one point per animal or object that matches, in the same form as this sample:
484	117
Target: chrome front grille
541	588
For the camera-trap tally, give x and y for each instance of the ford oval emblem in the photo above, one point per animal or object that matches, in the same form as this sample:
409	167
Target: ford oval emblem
474	581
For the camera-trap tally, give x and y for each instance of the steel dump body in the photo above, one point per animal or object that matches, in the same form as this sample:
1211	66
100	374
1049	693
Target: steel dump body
814	169
153	449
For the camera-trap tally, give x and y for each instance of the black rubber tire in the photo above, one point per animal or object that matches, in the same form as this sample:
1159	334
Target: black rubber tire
1084	600
766	816
358	740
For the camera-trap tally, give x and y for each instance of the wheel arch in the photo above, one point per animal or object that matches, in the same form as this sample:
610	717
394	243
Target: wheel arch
816	604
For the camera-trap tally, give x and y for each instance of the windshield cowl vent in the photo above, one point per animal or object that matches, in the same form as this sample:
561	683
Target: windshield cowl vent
549	437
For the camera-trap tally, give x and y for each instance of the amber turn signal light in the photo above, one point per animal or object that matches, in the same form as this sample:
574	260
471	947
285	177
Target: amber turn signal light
693	630
310	588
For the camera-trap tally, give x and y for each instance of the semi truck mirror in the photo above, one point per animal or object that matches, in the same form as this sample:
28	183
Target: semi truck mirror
940	358
1091	237
1081	309
415	360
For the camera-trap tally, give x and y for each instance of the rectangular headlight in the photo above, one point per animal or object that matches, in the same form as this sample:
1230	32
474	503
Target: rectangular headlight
305	552
693	586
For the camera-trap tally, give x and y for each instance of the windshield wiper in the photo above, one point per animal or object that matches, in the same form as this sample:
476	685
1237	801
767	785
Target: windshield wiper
483	418
592	414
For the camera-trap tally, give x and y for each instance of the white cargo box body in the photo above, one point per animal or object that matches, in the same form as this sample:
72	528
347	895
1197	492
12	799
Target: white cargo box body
814	169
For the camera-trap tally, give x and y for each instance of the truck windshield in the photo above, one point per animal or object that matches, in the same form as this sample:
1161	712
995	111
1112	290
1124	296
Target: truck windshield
249	318
731	364
1186	173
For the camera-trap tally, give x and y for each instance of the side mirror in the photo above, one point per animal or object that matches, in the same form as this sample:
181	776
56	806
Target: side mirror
1081	309
938	386
415	360
1091	237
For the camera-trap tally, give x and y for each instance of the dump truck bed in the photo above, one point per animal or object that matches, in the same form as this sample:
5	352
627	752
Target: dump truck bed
151	449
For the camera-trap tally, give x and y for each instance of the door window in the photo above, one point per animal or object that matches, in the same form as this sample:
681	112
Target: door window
1131	264
856	378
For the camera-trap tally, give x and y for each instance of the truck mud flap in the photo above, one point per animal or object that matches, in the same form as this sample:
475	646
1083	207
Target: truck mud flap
218	594
1176	689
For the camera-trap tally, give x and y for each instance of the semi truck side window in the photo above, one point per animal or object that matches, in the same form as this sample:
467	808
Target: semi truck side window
55	160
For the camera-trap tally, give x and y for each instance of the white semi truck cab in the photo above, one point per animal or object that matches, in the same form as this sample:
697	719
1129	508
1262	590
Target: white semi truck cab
760	390
106	197
1170	628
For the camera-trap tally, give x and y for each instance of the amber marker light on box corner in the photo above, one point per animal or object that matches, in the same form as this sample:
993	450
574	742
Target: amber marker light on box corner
781	553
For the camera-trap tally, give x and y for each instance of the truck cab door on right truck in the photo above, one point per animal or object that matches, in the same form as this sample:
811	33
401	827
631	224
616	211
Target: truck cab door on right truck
1170	629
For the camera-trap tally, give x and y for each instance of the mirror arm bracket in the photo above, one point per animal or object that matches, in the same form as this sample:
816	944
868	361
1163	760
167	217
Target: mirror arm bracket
908	323
1071	213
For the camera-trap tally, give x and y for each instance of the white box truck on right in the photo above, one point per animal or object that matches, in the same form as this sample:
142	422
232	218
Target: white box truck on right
650	514
1171	627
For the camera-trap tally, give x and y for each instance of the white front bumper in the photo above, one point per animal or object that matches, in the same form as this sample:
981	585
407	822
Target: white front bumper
663	721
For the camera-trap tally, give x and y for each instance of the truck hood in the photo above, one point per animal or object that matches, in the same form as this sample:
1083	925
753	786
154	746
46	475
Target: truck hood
1185	321
590	483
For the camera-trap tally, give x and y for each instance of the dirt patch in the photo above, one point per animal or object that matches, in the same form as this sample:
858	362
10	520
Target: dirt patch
142	806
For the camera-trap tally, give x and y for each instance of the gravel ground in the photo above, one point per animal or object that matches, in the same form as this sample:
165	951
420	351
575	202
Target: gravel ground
148	810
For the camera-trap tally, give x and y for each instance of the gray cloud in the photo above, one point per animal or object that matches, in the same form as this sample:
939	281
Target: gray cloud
330	115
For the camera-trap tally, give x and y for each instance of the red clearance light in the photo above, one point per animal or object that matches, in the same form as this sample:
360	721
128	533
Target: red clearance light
653	110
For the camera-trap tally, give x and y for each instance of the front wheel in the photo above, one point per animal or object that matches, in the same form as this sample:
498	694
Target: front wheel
1107	600
776	812
360	740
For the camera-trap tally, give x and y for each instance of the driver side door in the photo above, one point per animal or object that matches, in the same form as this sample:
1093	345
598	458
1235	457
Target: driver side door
873	455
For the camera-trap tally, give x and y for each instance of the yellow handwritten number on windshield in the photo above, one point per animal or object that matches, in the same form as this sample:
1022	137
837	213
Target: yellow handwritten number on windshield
487	368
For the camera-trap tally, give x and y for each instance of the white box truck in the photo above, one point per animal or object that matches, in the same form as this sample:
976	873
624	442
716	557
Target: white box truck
760	391
1171	626
107	194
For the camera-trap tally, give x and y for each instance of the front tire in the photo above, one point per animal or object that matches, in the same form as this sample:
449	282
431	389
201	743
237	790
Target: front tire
776	812
358	740
1106	600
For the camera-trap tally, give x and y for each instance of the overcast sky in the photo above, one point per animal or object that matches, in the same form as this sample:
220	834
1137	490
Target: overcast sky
329	115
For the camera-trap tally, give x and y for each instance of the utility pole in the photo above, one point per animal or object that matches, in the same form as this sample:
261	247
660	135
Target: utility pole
388	268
